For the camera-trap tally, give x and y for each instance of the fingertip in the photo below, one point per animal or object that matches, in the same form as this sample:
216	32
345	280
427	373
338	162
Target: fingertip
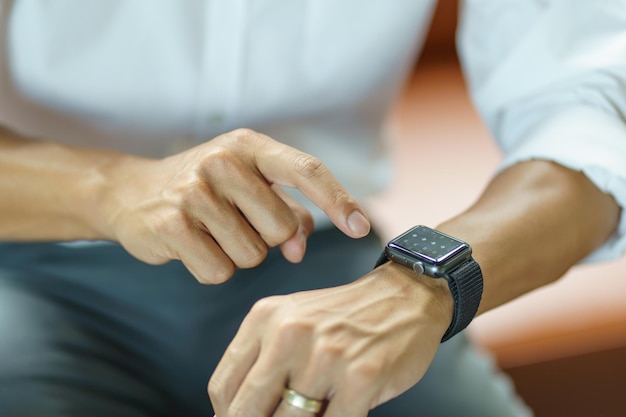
293	250
358	224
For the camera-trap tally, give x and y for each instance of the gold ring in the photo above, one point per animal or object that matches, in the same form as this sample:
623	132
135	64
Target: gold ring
291	397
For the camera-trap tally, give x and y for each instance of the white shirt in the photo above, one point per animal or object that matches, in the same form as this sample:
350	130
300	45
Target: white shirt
153	77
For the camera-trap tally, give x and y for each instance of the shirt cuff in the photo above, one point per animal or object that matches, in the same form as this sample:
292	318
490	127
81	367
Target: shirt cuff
587	140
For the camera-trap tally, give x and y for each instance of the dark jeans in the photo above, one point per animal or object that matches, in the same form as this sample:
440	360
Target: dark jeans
90	331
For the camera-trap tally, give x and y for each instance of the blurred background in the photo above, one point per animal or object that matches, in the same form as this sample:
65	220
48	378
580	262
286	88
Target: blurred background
563	345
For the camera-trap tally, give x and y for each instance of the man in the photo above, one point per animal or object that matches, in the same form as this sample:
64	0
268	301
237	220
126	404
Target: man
133	111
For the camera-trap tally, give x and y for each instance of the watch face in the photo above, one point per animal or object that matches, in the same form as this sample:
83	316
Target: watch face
428	244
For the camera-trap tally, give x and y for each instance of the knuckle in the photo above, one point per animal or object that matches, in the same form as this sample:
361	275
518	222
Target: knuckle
292	330
244	133
216	389
186	194
254	256
154	259
195	194
220	160
282	231
288	329
173	223
327	355
366	372
214	270
340	198
220	274
265	307
308	166
242	138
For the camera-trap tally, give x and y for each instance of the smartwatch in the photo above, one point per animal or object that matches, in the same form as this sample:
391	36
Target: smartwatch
435	254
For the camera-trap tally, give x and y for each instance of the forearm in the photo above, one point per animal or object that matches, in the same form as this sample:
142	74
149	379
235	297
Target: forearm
51	191
534	221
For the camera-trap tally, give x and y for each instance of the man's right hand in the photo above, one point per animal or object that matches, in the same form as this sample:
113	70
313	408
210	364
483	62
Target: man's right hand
219	206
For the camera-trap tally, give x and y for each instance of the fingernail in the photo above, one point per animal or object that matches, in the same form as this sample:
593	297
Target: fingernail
358	224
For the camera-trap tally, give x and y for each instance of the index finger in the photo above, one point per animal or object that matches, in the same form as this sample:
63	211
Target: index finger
287	166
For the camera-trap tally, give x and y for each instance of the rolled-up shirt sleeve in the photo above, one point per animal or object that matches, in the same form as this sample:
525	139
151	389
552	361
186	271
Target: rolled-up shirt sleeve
549	79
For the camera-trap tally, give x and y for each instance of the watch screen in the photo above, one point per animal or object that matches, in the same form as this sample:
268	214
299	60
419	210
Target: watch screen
430	244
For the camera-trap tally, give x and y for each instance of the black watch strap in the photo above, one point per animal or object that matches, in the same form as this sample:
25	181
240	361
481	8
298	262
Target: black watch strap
466	286
381	259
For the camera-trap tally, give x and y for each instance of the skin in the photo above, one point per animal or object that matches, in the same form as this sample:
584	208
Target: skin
364	343
354	346
216	207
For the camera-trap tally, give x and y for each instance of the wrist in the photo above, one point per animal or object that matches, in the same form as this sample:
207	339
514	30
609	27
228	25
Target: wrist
427	251
431	296
111	187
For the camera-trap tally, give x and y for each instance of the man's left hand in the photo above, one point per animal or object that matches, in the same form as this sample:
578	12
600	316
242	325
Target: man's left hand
352	347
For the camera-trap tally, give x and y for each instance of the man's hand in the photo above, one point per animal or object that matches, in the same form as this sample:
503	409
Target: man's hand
354	346
219	206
